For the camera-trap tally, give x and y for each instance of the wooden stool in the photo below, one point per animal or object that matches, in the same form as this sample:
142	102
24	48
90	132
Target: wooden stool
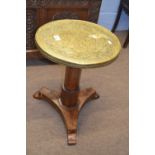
76	44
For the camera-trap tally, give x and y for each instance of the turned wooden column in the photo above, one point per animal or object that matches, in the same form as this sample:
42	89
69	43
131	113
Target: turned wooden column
70	89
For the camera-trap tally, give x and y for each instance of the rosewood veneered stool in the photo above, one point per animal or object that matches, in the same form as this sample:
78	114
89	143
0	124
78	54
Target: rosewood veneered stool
76	44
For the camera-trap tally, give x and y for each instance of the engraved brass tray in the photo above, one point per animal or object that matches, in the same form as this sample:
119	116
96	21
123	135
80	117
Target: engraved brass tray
77	43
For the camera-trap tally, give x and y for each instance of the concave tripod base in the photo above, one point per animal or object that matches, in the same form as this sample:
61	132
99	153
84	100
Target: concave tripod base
69	114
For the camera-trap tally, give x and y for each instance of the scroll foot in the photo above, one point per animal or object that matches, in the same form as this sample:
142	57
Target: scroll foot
71	137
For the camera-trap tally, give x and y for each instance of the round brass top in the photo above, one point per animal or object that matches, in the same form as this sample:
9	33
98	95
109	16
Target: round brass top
77	43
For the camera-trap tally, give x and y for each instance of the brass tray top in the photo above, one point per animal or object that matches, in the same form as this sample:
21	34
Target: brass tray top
77	43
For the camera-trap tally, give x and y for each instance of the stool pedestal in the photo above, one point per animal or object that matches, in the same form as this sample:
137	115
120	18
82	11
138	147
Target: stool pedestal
69	101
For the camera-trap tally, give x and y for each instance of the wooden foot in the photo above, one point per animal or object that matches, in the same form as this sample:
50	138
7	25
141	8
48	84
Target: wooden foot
69	114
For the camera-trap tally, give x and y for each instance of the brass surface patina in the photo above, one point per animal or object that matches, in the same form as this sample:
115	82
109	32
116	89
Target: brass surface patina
77	43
